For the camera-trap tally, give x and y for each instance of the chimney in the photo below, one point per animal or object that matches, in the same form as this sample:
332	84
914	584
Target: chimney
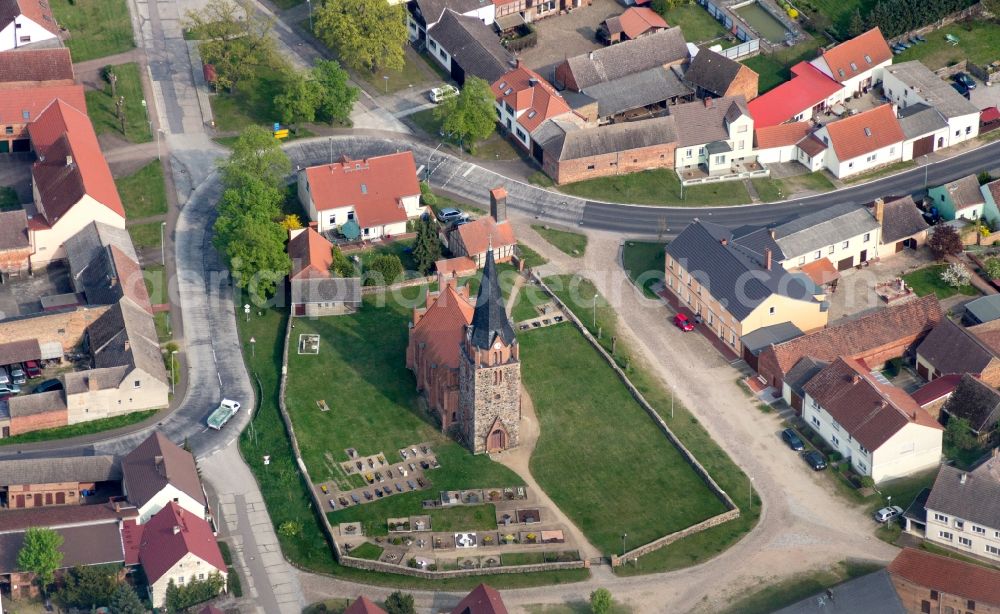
767	258
724	241
855	378
128	346
532	82
158	460
69	160
177	529
590	55
517	62
708	102
773	233
962	479
498	204
879	210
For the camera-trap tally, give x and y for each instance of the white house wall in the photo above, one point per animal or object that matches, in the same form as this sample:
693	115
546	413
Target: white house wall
439	53
912	449
48	243
163	498
188	568
777	154
879	157
963	535
849	248
29	33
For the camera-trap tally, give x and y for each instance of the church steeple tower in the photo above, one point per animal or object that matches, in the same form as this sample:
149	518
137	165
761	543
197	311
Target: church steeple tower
490	320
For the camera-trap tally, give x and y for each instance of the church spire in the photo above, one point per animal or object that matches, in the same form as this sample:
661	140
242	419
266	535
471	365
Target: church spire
489	319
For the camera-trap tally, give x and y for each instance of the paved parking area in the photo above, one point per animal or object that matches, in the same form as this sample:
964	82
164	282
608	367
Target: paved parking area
564	36
856	289
984	96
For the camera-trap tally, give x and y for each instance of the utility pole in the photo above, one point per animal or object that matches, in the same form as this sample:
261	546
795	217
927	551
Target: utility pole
113	80
121	112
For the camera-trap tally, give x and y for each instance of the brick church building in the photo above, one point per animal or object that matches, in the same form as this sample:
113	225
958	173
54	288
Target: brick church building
466	359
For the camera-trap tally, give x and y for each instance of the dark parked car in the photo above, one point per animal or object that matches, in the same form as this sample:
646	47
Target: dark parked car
966	80
815	460
961	89
792	439
49	385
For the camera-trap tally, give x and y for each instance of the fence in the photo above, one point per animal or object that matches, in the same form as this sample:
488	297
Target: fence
737	176
733	511
748	48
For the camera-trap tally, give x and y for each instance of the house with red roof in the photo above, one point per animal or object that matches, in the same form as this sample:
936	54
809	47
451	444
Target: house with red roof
856	64
20	106
630	25
859	143
72	183
363	605
879	428
524	100
807	93
175	545
483	599
316	290
929	582
26	22
375	195
478	237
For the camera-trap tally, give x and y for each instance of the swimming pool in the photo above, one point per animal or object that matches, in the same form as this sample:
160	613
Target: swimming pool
763	22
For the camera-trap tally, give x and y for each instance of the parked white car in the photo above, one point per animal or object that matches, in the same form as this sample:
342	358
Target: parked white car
438	94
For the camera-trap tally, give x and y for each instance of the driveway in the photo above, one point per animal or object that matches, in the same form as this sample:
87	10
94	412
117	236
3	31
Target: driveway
565	36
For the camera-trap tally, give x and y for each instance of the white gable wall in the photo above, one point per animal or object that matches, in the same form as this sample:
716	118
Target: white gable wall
188	568
30	32
167	494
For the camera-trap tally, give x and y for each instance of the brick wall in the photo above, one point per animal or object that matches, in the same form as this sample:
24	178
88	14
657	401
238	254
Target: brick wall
914	595
14	260
34	422
618	163
66	328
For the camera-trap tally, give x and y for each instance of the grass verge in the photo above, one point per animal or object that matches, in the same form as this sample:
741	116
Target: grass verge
143	192
657	187
798	587
97	28
644	264
571	243
83	428
102	110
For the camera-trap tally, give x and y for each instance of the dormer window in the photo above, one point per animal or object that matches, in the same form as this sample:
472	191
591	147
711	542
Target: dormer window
531	114
868	58
868	131
854	67
503	85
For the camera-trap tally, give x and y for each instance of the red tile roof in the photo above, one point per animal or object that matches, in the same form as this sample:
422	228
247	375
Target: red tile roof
989	115
539	101
856	56
456	267
948	575
131	279
865	132
855	337
35	10
33	100
131	540
781	135
35	67
868	410
807	88
375	187
636	21
311	255
171	534
20	519
936	389
70	163
363	605
442	326
478	234
482	600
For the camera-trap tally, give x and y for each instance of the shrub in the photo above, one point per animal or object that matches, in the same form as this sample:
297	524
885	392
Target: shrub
956	275
384	269
945	241
867	481
793	13
992	268
835	457
426	196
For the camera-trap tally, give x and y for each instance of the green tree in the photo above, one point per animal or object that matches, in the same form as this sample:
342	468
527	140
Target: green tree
40	554
945	241
992	268
471	115
383	269
180	598
399	603
958	434
342	265
663	6
992	7
600	601
367	34
336	95
256	155
427	247
89	586
235	39
857	24
126	601
254	246
298	99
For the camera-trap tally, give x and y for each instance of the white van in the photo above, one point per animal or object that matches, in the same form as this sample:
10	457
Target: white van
438	94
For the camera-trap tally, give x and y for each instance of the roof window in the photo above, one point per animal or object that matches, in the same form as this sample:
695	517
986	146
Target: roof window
841	71
868	131
26	114
868	58
503	85
509	90
364	188
854	66
532	113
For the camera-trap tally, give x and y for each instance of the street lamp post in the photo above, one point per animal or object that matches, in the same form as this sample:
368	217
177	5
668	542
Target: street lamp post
386	79
163	249
751	492
309	2
595	309
159	131
624	535
173	375
253	347
672	392
145	109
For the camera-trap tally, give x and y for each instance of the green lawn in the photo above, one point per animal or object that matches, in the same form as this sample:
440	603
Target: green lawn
412	75
697	24
530	257
979	42
607	484
768	190
810	182
252	102
644	263
888	169
9	200
798	587
775	68
285	492
928	280
162	322
368	551
97	28
571	243
143	192
83	428
579	295
657	187
156	283
839	12
145	235
494	147
101	105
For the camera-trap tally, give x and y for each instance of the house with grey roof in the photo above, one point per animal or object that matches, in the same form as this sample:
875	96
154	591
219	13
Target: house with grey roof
903	225
714	75
963	510
665	48
912	83
645	93
463	45
923	128
15	245
43	482
714	134
421	15
976	401
982	310
953	349
959	199
874	592
739	288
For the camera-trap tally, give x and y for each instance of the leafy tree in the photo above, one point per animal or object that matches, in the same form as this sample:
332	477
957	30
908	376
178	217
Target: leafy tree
40	554
471	115
367	34
89	587
600	601
993	268
857	25
399	603
126	601
956	275
298	98
992	7
235	38
959	434
336	95
256	155
180	598
255	248
342	265
291	222
663	6
427	247
383	269
945	241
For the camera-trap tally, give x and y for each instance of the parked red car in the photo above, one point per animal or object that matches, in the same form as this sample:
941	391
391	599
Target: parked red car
682	322
32	369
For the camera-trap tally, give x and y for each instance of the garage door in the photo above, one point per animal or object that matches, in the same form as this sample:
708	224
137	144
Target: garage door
924	146
21	146
845	264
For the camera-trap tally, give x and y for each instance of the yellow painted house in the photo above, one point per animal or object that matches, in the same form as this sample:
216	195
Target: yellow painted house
739	288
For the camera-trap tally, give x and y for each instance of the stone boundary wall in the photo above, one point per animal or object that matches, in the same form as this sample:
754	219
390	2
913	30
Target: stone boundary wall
416	281
733	511
379	566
